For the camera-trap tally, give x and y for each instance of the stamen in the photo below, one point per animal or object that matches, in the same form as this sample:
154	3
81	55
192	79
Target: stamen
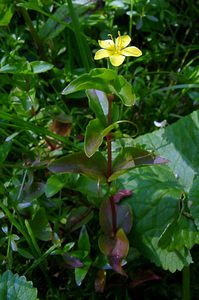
111	37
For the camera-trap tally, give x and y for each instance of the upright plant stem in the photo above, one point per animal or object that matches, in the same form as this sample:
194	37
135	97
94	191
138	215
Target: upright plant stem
33	32
109	165
186	283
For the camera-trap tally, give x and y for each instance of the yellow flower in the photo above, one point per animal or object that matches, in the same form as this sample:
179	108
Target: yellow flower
117	50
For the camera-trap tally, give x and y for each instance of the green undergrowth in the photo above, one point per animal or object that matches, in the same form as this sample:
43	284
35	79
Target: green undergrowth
99	181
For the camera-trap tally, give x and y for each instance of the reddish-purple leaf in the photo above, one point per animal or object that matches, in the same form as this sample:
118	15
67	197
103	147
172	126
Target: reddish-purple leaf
132	157
94	167
121	194
77	217
124	218
116	248
72	261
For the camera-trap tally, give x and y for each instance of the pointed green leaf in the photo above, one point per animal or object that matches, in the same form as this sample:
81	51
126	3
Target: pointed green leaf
55	183
93	137
97	79
40	226
98	102
40	66
80	273
123	89
105	80
6	12
83	242
94	167
95	132
4	150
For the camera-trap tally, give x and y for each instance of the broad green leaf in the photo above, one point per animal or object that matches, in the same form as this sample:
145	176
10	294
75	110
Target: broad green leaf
194	201
95	132
55	183
18	67
106	74
40	66
4	151
97	79
24	102
94	167
155	204
168	260
6	13
179	144
105	80
40	226
98	102
24	67
124	91
15	287
180	233
80	273
83	242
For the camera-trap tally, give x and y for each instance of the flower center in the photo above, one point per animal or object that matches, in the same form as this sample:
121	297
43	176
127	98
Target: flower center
117	45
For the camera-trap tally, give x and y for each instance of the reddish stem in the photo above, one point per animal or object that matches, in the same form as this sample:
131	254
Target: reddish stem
109	164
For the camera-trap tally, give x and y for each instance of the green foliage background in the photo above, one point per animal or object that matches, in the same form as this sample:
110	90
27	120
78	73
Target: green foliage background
49	223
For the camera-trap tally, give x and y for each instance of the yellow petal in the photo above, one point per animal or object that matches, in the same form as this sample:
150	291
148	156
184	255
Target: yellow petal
102	53
117	60
122	41
131	51
107	44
